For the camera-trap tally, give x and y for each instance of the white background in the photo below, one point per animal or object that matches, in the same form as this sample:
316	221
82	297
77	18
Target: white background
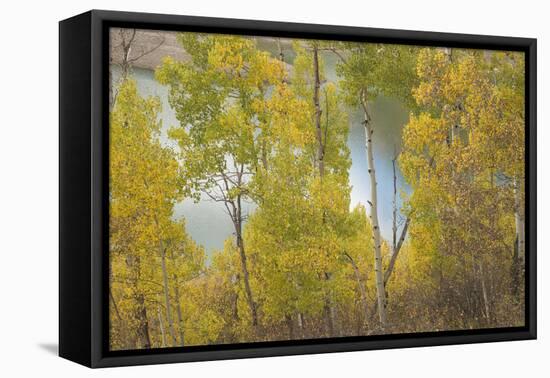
29	187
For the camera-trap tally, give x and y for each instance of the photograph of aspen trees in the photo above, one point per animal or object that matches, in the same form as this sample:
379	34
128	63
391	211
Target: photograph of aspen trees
266	189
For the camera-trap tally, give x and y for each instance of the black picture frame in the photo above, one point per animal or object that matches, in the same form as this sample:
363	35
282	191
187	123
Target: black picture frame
83	181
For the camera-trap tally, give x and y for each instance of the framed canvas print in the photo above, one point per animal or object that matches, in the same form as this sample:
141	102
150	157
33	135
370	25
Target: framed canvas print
233	188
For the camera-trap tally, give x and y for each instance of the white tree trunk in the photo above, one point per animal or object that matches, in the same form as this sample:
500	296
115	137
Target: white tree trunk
178	311
162	251
320	157
484	292
161	325
520	222
318	111
394	210
396	243
380	291
167	295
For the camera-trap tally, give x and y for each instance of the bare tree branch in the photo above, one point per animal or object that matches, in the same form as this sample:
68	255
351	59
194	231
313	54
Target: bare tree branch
391	265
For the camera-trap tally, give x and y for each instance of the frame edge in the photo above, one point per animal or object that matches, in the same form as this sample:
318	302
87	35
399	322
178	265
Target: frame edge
99	18
74	189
